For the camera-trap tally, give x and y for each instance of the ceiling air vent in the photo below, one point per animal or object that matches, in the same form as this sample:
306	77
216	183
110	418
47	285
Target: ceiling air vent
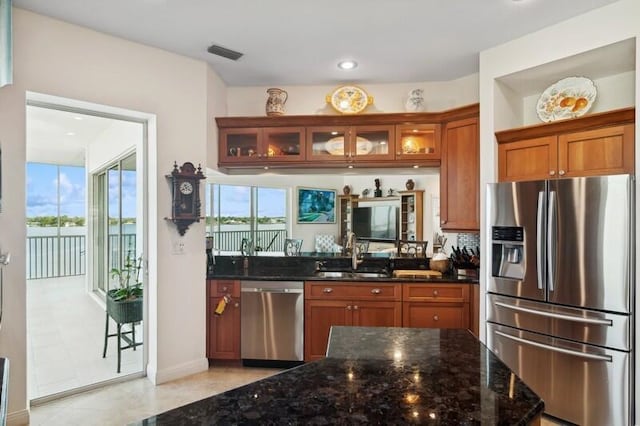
224	52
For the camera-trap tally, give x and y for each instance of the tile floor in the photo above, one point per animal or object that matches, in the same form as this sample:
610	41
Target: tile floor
65	328
131	401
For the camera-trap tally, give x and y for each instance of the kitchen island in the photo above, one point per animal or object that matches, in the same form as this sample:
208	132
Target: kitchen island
378	375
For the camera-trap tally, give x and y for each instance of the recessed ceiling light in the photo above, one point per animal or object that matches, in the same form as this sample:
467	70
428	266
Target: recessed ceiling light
347	65
71	134
77	117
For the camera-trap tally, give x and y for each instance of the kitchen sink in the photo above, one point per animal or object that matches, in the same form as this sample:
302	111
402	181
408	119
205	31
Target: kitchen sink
350	275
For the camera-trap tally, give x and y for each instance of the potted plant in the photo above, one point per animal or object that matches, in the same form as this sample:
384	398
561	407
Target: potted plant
124	304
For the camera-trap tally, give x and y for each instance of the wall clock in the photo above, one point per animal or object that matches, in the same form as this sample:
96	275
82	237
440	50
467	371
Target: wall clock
185	195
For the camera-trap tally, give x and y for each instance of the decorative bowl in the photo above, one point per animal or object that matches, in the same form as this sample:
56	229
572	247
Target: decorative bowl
439	265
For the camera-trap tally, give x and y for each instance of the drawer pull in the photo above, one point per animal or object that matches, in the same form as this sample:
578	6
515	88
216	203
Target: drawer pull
327	290
376	291
435	318
435	293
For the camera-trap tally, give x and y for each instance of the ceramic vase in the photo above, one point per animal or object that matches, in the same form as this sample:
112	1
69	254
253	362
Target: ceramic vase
415	101
275	101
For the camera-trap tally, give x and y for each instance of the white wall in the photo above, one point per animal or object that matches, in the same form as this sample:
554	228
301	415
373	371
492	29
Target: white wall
64	60
438	96
614	23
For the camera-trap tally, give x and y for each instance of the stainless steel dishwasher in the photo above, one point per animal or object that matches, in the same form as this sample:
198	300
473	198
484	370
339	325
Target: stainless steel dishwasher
272	323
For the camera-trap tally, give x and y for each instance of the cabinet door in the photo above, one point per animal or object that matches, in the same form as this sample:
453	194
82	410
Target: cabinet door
460	177
435	315
224	331
283	144
418	141
605	151
327	143
371	143
319	316
411	216
529	159
376	314
239	145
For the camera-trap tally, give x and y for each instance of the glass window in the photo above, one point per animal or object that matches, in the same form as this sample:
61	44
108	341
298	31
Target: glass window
249	218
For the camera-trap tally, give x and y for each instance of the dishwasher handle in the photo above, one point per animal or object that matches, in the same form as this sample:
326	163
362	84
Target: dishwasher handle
271	290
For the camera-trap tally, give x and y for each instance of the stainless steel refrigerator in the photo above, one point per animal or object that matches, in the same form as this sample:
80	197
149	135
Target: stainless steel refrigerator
560	292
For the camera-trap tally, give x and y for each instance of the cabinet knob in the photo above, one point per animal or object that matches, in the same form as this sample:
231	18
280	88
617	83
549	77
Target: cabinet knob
376	291
327	290
561	172
225	289
237	305
348	307
399	153
435	318
355	307
552	172
435	292
442	222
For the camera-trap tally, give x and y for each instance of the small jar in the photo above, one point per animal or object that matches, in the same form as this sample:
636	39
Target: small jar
410	184
346	190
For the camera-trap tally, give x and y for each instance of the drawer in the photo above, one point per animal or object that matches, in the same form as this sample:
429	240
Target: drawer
349	290
222	287
435	315
435	292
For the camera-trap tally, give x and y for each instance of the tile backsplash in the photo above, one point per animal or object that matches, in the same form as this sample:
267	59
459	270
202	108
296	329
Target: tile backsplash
471	240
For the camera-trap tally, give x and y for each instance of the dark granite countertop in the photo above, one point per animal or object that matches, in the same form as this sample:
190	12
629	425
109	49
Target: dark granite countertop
303	268
378	375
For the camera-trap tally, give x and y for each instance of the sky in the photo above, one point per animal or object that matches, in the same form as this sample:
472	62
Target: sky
42	183
236	201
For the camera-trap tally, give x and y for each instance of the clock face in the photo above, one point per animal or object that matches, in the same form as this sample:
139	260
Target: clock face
186	188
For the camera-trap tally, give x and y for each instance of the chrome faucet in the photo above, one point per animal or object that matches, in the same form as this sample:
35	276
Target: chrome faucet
355	250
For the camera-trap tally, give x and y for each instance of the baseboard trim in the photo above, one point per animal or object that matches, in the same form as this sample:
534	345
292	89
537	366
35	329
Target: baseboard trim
18	418
178	371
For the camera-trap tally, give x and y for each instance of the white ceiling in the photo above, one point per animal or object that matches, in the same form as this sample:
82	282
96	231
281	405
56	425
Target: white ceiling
299	42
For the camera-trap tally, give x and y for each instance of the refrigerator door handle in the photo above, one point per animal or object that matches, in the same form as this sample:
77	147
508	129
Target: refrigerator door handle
594	321
552	224
539	238
595	357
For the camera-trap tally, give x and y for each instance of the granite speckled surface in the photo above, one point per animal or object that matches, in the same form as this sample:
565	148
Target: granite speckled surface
379	376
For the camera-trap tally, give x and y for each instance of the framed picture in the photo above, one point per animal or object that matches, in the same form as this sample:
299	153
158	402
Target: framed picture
316	205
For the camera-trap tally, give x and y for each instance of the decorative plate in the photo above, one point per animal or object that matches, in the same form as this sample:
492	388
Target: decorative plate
335	146
570	97
349	99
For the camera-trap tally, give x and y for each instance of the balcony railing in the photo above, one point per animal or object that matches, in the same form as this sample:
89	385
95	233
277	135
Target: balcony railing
64	256
55	256
269	240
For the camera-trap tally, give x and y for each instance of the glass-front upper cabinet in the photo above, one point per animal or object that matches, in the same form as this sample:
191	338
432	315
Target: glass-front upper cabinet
327	143
355	143
418	141
246	145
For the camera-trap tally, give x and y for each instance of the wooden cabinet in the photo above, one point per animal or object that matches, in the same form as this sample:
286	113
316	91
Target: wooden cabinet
597	144
346	203
323	141
350	144
460	176
266	145
223	331
418	142
435	305
329	303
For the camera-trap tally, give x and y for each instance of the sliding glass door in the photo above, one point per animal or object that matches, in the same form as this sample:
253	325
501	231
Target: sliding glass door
114	216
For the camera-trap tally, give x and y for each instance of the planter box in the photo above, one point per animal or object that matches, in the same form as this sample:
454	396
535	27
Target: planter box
125	311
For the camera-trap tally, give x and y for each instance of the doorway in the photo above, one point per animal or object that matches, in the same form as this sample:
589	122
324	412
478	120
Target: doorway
82	215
